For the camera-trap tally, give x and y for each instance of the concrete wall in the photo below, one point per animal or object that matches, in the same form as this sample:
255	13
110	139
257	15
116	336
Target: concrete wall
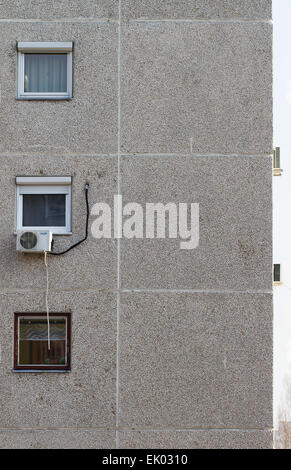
172	103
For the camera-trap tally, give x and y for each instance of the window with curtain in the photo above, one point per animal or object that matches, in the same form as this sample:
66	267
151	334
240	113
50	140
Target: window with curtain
31	341
45	73
45	70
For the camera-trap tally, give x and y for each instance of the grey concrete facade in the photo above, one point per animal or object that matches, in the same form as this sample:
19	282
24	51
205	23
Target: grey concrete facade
171	348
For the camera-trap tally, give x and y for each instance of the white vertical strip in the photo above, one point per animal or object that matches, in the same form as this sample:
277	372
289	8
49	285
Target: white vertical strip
120	208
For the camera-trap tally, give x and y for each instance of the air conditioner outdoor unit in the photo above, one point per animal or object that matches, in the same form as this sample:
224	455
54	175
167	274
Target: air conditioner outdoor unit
34	241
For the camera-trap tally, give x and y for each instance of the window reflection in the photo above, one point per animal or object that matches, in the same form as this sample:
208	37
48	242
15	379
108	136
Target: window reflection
33	342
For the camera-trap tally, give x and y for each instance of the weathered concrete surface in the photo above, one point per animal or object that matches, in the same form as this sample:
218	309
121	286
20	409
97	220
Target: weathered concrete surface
56	9
57	439
92	264
196	92
86	124
235	249
196	360
197	439
137	9
196	88
84	397
196	9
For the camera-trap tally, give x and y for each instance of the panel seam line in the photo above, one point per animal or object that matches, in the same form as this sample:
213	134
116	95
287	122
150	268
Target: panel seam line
119	209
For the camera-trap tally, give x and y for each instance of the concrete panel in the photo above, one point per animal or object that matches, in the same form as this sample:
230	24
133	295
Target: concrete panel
198	9
90	265
54	9
235	249
84	397
88	122
57	439
199	88
196	360
198	439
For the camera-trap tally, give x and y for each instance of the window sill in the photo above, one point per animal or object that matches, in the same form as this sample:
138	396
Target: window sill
277	171
54	234
41	371
44	98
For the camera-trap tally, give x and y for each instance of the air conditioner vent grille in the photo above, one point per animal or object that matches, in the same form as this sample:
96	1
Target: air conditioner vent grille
28	240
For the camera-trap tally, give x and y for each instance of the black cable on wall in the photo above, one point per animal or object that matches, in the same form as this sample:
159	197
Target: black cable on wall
87	223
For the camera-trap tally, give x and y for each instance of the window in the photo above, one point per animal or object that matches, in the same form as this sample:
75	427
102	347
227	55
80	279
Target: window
277	273
31	350
45	70
277	171
276	157
44	202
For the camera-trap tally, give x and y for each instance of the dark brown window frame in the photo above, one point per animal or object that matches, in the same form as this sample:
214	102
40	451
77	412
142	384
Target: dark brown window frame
55	368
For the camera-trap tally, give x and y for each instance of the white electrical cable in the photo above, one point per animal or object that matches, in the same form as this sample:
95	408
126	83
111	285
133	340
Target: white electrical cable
46	302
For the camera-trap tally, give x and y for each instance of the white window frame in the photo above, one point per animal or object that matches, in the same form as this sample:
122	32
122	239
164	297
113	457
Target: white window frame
45	47
44	185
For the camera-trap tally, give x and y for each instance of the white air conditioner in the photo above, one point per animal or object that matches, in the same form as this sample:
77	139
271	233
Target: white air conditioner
34	241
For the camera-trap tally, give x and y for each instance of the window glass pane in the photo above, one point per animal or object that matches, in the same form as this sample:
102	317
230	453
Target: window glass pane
33	343
45	73
37	329
277	272
44	210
